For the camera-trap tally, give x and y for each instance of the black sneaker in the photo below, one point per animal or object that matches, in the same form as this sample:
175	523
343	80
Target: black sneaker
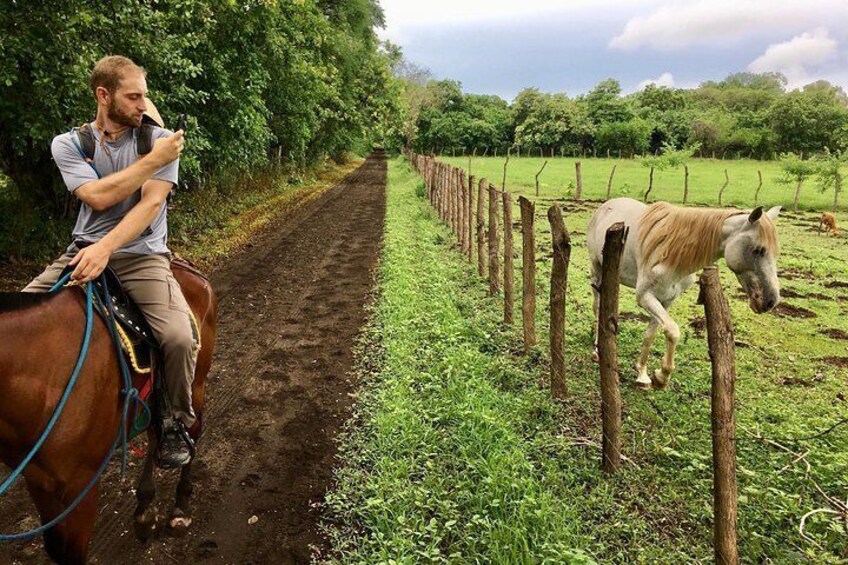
175	447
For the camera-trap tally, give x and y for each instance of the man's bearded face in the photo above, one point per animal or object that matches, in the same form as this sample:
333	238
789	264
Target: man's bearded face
121	117
126	104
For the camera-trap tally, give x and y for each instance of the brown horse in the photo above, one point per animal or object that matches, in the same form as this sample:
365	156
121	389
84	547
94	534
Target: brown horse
41	337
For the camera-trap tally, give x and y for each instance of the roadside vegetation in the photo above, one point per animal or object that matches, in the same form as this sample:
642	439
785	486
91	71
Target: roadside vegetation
457	454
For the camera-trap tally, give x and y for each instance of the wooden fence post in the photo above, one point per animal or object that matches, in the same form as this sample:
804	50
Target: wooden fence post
509	274
578	194
494	242
528	272
470	226
455	202
537	176
609	182
685	184
608	348
463	211
481	227
559	282
727	182
722	358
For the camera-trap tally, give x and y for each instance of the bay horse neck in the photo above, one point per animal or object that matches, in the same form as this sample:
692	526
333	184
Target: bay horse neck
683	240
35	334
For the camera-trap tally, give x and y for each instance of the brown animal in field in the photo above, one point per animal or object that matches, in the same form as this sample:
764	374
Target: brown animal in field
828	220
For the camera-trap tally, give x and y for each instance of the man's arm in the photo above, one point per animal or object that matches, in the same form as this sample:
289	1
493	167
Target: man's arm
106	192
92	260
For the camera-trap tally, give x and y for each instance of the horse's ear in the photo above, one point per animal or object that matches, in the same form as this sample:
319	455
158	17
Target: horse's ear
756	214
773	212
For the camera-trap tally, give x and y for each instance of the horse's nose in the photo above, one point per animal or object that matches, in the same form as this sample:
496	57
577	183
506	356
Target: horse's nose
770	303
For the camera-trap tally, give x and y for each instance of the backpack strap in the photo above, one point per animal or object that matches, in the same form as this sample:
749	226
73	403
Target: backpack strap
86	141
85	144
144	136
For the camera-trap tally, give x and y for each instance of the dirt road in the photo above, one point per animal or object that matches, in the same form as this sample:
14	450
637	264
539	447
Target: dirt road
279	392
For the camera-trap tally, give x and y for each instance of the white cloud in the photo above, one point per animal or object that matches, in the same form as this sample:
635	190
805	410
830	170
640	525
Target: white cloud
665	79
799	56
715	22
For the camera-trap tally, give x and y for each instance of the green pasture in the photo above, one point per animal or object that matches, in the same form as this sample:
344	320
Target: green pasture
706	177
457	454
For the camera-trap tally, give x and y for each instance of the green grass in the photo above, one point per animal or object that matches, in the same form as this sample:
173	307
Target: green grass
458	455
706	177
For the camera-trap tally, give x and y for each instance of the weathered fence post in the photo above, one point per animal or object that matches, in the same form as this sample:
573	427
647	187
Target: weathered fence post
545	164
494	242
578	194
759	186
559	282
509	274
462	202
608	348
609	182
722	357
528	272
685	184
470	226
481	227
726	182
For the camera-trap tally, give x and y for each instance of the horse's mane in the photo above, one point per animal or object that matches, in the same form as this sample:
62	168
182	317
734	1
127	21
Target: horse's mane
687	239
12	301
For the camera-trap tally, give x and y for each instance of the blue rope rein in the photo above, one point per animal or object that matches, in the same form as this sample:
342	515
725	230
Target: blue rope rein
130	397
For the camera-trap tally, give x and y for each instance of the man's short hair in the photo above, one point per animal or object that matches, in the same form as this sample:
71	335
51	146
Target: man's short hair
109	71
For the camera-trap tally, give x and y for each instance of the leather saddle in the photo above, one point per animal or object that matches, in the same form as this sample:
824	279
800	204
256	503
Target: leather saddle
138	343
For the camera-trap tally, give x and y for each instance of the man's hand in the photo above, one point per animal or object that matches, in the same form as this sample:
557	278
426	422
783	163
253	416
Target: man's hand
90	262
167	149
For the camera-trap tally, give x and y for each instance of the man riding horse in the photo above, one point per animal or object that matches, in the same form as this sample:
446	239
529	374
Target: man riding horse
122	224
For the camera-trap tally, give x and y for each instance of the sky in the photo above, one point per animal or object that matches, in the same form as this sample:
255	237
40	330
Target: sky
503	46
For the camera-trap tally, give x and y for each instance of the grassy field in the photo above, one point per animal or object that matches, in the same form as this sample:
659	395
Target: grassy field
706	177
458	455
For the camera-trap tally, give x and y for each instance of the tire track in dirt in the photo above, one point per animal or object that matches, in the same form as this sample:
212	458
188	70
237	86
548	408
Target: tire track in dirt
278	393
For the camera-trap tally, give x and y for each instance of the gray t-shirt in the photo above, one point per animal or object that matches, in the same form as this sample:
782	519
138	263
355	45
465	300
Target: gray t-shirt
109	158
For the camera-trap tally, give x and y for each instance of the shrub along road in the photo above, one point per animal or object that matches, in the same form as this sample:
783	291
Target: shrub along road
291	306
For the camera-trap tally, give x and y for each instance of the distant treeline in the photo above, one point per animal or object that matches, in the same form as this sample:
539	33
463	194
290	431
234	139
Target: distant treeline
258	79
745	115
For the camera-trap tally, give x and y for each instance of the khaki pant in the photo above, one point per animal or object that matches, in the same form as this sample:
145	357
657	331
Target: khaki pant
148	280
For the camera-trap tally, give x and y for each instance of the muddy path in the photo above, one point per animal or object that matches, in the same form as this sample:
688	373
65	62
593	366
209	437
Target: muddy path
279	392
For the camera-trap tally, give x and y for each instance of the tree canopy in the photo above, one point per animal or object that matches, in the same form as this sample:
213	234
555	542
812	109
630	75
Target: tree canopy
257	78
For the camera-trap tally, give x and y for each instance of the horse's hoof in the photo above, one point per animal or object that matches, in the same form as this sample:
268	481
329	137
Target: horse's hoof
145	528
644	385
595	356
660	380
178	526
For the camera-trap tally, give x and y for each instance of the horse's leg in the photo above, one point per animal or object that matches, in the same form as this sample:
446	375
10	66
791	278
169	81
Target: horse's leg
180	519
67	542
145	492
672	335
642	378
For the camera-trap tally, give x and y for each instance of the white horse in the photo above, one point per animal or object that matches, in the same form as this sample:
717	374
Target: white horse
667	245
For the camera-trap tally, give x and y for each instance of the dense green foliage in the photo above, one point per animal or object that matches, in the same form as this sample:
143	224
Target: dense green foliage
458	455
258	79
745	115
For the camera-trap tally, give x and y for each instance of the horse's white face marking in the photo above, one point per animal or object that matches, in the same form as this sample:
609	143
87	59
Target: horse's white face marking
751	260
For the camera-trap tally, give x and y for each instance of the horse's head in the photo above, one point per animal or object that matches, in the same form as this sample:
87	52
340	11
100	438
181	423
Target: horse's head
750	249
